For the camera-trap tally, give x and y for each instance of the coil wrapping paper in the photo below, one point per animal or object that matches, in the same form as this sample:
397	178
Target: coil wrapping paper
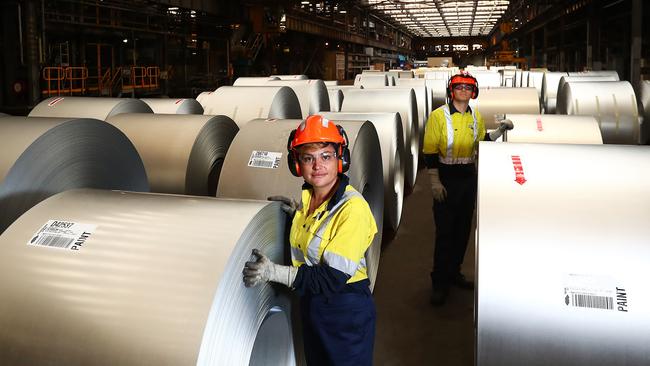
253	81
44	156
370	80
392	100
244	103
242	178
157	282
88	107
586	78
336	99
493	101
290	77
610	73
553	128
645	104
550	83
312	95
182	154
575	230
487	79
391	142
174	106
612	103
438	92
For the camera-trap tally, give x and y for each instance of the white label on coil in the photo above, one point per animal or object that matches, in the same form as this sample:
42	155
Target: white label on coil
265	159
595	292
63	235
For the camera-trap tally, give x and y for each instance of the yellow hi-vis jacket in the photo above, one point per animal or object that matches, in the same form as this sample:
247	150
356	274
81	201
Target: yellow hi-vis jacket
338	237
454	136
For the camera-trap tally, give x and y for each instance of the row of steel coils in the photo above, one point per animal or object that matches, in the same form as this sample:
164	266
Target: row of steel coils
154	278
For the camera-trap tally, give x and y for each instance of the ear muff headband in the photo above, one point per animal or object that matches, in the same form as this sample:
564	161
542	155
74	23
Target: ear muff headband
462	79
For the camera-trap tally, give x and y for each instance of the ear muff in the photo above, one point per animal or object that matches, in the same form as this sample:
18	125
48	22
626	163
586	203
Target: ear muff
292	159
344	151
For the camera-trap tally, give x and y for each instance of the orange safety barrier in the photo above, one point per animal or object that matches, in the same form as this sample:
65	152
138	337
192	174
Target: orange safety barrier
153	72
76	74
58	79
138	76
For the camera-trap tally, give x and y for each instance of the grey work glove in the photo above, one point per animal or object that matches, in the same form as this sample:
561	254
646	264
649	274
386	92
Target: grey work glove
438	190
289	206
264	270
504	125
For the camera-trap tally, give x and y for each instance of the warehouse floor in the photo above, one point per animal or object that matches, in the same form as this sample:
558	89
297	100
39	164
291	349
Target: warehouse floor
409	330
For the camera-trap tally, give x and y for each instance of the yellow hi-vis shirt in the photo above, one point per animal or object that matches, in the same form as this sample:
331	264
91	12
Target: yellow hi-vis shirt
454	136
338	237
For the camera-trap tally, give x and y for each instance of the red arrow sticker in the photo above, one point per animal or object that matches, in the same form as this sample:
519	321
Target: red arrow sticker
540	128
178	101
519	169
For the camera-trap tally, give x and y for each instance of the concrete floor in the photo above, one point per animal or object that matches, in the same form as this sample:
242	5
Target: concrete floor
409	330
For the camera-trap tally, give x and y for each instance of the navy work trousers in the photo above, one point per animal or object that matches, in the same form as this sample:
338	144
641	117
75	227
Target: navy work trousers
339	330
453	218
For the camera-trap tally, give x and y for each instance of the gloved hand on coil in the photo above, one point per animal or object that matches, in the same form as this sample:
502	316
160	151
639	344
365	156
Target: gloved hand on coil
438	190
264	270
289	206
503	125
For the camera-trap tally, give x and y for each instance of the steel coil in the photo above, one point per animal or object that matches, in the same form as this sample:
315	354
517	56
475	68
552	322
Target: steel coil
494	101
336	99
612	103
487	79
290	77
610	73
391	141
253	81
244	103
550	83
43	156
174	106
523	83
580	79
256	168
329	83
185	154
202	96
508	77
535	79
564	282
438	93
392	100
645	104
370	80
3	115
312	95
553	128
152	280
422	100
88	107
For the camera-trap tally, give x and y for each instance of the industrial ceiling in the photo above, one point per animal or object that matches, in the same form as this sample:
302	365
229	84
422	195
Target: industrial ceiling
440	18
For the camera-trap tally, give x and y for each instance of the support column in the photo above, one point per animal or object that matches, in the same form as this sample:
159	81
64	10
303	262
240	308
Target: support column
635	35
32	53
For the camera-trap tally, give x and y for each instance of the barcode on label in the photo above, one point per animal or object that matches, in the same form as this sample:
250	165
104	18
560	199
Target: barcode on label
57	241
63	234
592	301
265	159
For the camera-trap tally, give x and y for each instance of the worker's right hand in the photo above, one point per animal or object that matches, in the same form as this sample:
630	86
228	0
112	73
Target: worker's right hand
289	206
438	190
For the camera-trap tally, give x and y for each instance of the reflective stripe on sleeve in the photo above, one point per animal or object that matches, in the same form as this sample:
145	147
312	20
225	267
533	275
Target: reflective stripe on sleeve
341	263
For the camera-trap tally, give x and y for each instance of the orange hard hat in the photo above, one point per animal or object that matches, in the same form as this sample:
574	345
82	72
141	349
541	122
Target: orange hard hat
316	128
462	77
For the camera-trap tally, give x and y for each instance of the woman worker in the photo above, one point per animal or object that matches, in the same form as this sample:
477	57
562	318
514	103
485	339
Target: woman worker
451	138
331	230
